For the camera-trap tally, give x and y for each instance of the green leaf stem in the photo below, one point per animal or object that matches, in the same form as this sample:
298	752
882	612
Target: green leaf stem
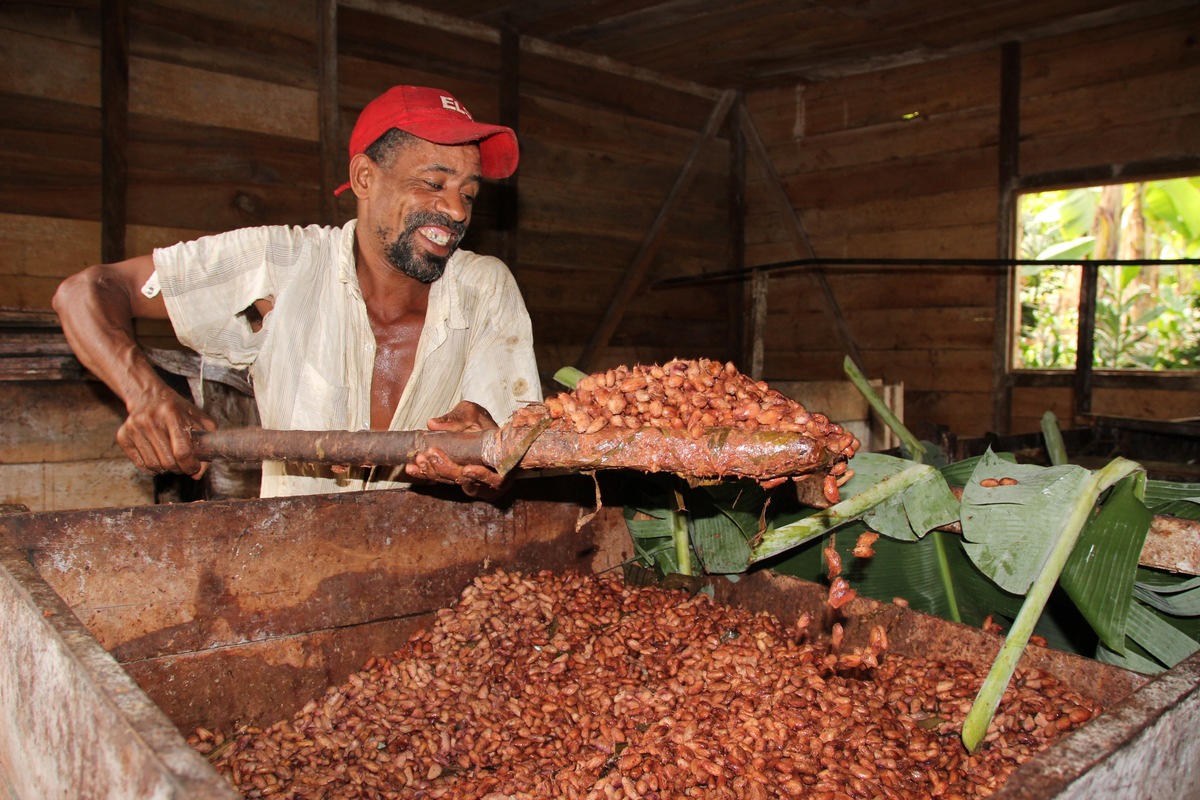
1080	508
901	478
911	444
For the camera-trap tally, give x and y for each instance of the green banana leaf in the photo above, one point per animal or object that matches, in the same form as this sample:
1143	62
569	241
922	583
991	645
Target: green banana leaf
959	472
1004	525
1099	575
882	488
1181	603
1158	636
1135	659
1166	587
653	535
910	514
724	519
1174	499
652	540
935	571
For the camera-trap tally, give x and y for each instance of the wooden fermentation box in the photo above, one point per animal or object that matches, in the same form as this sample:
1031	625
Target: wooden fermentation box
121	630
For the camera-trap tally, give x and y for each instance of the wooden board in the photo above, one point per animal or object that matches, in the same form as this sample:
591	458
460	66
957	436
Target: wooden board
886	96
282	627
58	421
59	449
1120	143
949	172
61	486
274	41
74	724
204	97
52	69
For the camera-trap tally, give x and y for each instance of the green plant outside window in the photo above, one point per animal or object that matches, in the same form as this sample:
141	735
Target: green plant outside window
1147	316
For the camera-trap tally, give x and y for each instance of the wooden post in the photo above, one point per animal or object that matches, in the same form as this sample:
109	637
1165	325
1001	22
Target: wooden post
327	108
1006	231
759	283
510	115
1086	343
114	111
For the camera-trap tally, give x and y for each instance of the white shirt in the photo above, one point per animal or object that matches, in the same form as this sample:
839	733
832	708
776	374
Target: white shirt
312	361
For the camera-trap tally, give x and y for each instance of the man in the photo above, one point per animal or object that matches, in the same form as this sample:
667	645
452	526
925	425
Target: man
381	324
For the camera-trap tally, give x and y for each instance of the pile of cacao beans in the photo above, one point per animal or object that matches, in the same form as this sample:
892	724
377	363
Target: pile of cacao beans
686	395
570	686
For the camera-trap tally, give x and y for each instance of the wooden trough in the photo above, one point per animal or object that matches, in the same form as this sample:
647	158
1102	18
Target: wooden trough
123	629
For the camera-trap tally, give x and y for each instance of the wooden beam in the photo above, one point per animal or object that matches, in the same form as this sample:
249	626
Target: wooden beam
829	69
759	284
114	110
800	237
1082	384
327	108
1127	172
510	115
636	272
426	18
539	47
1109	379
1009	151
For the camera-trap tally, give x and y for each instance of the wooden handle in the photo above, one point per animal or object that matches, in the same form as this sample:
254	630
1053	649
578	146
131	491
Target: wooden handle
359	448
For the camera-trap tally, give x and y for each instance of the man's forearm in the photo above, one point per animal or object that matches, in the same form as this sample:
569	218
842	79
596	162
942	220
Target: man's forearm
97	318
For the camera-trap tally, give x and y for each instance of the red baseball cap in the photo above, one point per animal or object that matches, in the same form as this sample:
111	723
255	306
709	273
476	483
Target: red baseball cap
435	116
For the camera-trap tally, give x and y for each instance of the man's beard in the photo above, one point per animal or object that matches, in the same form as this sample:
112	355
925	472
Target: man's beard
424	266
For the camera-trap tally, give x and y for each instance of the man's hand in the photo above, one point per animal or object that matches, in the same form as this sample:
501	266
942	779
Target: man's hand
97	307
434	465
157	435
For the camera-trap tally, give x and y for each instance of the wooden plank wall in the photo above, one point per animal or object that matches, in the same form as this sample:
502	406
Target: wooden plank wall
57	449
224	132
903	163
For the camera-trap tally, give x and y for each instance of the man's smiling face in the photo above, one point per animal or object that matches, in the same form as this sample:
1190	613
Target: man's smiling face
423	206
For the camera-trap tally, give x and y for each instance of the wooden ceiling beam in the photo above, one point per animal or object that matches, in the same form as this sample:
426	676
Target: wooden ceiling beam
528	44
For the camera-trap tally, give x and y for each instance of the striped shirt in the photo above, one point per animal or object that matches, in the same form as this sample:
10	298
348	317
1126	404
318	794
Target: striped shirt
312	360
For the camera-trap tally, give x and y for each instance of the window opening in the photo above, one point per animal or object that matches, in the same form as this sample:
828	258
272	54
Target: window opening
1146	316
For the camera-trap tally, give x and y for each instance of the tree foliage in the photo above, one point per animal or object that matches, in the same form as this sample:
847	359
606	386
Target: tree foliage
1147	316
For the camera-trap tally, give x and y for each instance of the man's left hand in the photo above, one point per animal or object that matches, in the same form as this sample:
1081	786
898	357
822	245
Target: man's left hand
434	465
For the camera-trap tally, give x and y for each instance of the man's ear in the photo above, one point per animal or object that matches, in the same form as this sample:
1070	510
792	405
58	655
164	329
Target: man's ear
362	170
